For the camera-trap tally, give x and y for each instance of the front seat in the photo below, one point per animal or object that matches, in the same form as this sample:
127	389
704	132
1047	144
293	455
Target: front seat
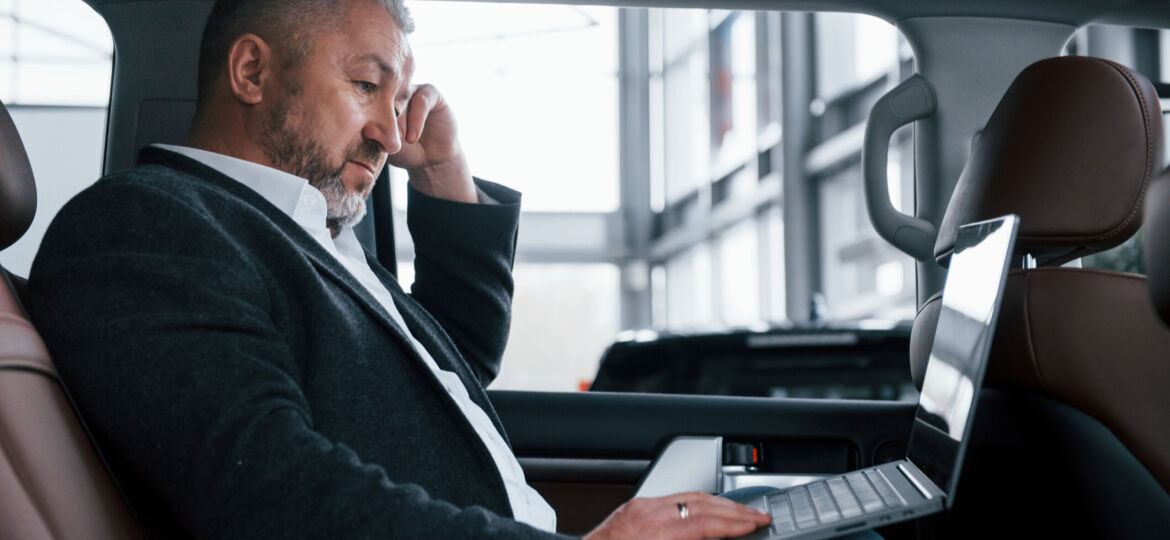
52	483
1072	433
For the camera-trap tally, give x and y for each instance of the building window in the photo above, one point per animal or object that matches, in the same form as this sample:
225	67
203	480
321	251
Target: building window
739	274
688	289
679	66
535	92
715	112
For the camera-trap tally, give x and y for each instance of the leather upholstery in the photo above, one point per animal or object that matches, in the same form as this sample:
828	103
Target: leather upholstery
1157	244
18	194
53	485
1071	148
1087	338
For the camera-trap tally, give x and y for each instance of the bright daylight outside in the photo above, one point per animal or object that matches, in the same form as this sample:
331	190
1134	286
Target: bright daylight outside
647	144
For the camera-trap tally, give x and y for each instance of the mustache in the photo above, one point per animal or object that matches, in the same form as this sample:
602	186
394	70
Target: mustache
366	151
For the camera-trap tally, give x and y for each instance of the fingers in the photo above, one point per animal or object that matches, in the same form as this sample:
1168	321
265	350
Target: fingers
424	99
702	505
715	517
714	527
706	516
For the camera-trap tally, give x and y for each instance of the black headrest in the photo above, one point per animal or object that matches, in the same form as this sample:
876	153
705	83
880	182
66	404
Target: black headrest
18	193
1071	148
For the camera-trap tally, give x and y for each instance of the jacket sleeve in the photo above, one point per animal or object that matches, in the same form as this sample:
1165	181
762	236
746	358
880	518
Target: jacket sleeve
463	270
162	330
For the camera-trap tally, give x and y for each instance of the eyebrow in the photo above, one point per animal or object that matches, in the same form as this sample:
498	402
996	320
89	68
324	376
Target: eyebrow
380	62
387	69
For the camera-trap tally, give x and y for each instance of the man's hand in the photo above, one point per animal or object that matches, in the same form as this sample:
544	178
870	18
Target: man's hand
707	516
430	152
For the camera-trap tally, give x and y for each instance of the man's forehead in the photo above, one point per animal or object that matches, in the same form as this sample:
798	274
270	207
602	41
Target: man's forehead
373	26
393	65
379	42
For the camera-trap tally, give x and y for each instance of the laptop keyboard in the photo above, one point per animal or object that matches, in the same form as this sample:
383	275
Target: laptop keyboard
855	494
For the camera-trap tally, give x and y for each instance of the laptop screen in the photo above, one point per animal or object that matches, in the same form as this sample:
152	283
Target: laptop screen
962	341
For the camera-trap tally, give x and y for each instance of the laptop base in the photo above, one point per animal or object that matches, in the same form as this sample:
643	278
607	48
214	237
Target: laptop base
843	504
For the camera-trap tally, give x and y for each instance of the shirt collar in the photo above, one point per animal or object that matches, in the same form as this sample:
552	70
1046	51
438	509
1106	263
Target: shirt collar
292	194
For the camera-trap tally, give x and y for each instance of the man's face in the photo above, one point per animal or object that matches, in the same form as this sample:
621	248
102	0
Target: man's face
338	114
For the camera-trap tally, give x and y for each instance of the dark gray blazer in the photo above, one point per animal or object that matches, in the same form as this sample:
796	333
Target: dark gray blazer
243	384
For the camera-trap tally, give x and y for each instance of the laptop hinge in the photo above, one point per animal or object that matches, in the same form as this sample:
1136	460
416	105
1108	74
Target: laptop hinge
917	485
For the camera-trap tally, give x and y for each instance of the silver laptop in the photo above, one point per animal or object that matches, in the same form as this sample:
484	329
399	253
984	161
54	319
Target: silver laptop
924	482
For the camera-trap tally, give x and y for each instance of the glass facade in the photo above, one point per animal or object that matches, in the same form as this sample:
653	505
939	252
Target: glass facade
649	145
720	191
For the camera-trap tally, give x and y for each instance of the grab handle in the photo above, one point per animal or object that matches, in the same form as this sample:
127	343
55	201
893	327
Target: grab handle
912	100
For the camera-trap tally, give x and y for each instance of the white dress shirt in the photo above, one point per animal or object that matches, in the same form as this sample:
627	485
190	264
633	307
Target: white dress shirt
306	206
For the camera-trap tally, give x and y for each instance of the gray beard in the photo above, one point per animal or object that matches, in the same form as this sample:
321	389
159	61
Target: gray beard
344	208
300	155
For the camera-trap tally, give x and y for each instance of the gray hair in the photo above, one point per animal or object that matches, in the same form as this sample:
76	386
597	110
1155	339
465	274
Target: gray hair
401	14
292	23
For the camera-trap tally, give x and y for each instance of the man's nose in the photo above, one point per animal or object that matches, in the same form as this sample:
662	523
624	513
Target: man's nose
386	130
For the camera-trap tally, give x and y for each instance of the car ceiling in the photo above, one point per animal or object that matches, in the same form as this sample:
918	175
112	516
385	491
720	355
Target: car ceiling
1141	13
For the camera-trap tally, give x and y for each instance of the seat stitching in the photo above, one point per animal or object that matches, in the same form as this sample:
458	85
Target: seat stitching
1146	122
1031	343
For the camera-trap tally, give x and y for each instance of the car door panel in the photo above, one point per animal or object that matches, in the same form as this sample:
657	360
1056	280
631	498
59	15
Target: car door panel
587	452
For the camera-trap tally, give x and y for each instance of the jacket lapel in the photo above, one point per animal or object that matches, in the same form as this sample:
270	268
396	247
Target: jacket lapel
421	325
418	321
325	263
428	332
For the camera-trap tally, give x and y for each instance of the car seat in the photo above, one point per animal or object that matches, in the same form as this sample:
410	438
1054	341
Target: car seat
1072	427
53	484
1157	244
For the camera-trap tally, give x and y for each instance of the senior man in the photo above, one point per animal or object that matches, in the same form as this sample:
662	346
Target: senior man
248	370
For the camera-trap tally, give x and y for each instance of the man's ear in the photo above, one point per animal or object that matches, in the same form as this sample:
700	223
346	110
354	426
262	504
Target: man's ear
249	66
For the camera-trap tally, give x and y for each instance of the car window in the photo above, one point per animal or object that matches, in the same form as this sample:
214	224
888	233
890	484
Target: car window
56	61
535	89
647	143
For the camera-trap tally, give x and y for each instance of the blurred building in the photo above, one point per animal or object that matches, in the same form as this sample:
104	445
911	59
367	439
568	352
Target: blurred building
681	169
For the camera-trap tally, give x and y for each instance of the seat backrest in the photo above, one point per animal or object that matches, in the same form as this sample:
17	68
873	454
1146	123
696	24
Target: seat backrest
53	484
1071	148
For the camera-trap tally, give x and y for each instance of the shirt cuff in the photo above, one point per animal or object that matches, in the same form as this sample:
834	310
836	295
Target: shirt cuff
484	198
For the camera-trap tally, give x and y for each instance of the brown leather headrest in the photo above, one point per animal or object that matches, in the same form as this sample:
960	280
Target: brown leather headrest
1156	242
1070	148
18	193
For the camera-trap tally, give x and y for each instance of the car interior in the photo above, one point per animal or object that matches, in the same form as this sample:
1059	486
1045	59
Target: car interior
1070	438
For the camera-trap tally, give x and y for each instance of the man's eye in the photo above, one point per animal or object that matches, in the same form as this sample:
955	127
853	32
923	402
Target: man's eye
366	86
